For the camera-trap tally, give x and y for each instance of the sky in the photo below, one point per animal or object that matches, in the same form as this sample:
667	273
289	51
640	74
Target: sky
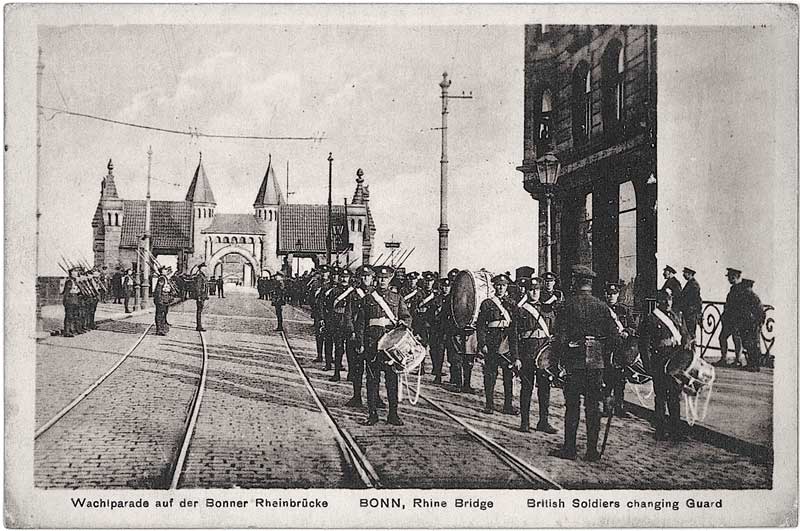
373	92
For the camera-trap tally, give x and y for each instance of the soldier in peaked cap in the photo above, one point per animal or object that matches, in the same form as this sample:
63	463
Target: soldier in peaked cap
355	362
317	295
582	324
551	297
279	298
423	312
674	285
438	333
71	300
497	340
328	326
338	319
451	275
162	297
731	319
534	326
379	312
691	302
753	317
614	375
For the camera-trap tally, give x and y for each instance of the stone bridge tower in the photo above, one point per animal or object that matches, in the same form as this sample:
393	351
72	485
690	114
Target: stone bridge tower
267	205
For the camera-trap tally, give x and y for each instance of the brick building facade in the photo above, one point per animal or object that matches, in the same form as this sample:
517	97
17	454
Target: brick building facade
590	98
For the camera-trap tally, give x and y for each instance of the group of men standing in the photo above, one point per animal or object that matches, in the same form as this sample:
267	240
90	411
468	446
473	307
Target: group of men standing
83	289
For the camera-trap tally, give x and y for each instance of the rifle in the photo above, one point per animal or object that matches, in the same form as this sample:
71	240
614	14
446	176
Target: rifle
406	257
375	261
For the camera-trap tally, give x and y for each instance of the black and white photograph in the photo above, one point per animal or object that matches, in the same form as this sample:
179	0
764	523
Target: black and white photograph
400	266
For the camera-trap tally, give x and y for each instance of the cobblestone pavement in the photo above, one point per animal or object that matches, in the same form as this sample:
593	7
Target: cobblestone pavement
258	425
125	433
633	458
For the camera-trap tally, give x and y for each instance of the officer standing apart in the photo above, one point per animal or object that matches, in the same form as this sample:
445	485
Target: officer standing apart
71	299
582	323
127	288
380	311
691	302
497	340
753	316
200	295
278	298
662	336
674	286
355	361
731	319
162	297
533	326
614	378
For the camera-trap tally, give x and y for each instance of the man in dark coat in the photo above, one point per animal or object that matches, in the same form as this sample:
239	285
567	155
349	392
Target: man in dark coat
731	319
497	341
116	285
162	297
279	299
614	372
674	285
753	316
380	311
200	294
582	325
691	303
221	287
71	300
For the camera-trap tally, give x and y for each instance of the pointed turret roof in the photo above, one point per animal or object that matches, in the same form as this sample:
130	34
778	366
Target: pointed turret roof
358	196
108	190
200	189
270	191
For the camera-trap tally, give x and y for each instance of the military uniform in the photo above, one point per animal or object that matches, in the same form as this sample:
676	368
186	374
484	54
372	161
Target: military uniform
614	377
753	317
379	312
162	297
355	361
551	299
71	300
329	331
732	318
339	321
534	326
421	303
436	317
662	334
201	296
318	289
279	299
675	286
497	339
582	323
127	290
692	304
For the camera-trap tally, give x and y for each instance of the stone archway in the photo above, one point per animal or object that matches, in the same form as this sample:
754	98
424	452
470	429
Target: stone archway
232	249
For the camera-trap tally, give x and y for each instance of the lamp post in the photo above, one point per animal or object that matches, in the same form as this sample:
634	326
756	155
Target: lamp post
547	169
298	245
330	208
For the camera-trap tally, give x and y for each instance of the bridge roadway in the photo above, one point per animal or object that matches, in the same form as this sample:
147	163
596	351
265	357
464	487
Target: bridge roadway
257	424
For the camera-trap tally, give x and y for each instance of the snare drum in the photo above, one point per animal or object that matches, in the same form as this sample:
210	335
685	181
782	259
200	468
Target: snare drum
404	352
691	371
545	360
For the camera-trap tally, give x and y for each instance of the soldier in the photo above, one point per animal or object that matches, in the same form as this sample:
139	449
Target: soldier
674	286
663	333
551	297
95	298
83	299
162	297
582	322
355	362
220	287
691	303
319	287
422	308
753	316
380	311
127	288
731	319
533	329
497	341
328	327
200	294
438	331
71	300
116	285
338	320
105	281
278	299
614	376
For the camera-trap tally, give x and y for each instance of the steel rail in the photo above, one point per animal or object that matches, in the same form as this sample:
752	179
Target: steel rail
197	400
47	425
352	452
530	473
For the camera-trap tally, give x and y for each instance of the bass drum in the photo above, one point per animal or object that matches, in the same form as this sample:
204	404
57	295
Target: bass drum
469	290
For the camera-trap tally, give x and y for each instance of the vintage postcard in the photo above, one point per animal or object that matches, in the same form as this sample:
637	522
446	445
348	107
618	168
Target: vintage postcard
400	266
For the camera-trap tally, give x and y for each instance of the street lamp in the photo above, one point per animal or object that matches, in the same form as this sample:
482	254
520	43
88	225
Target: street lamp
298	245
547	169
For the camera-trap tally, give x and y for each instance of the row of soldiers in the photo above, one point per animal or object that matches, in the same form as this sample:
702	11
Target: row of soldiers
83	289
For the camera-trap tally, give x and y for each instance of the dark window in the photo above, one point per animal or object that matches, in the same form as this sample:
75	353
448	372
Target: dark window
613	68
585	232
360	226
545	117
581	103
116	220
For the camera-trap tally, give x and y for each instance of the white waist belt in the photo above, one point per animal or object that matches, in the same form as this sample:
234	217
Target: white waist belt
536	334
498	324
380	321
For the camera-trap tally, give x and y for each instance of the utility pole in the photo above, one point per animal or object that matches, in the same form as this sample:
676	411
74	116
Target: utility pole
146	240
444	230
330	209
288	193
39	71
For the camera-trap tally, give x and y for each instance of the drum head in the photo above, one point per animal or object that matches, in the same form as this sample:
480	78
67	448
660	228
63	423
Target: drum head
464	299
544	357
391	338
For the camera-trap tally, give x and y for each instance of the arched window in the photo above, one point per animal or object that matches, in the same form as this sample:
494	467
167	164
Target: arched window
116	220
109	218
613	81
627	241
360	226
581	103
226	240
352	225
219	239
234	240
545	117
270	215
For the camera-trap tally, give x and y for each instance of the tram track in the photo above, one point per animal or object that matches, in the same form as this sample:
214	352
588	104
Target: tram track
528	472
